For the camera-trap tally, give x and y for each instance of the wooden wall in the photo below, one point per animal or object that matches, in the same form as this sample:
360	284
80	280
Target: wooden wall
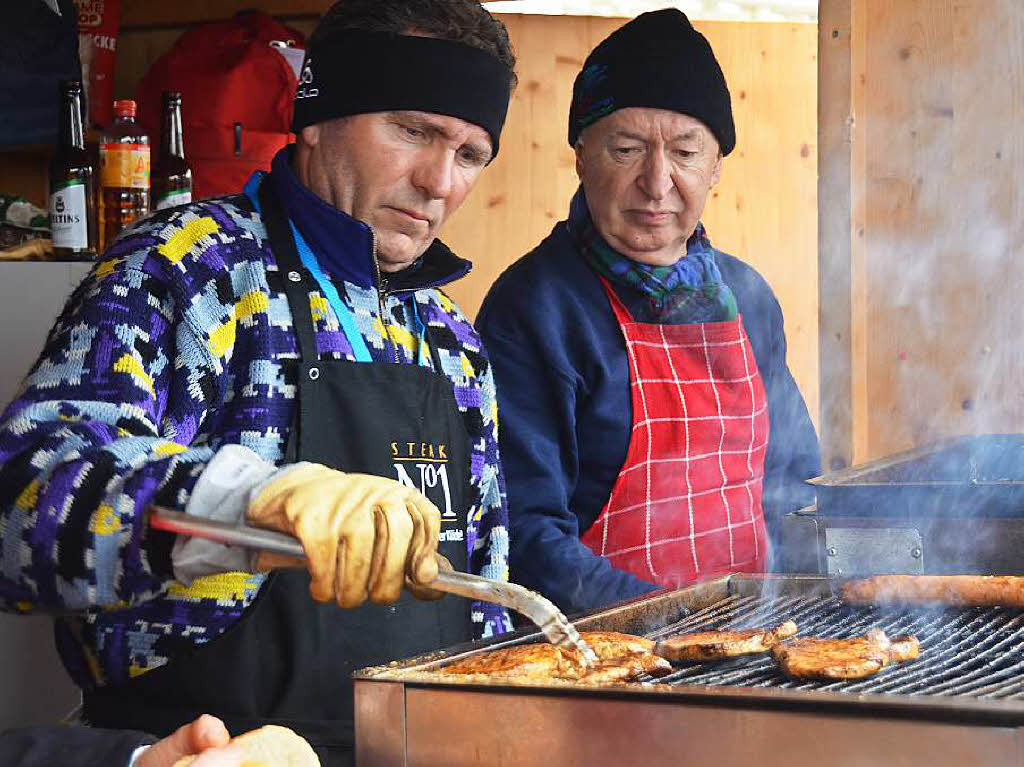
764	210
924	135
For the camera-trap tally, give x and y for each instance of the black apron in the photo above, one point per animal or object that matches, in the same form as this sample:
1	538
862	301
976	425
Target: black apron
289	660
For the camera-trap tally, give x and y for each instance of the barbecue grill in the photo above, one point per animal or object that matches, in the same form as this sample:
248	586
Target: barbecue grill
961	703
952	507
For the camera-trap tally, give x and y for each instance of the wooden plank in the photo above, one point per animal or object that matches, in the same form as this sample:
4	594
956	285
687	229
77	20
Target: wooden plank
943	217
858	278
909	144
835	312
764	209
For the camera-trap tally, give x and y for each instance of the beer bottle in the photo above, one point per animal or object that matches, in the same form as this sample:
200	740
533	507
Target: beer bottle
124	172
172	178
72	196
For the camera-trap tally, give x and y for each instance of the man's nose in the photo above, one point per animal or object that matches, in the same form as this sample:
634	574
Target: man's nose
433	174
656	177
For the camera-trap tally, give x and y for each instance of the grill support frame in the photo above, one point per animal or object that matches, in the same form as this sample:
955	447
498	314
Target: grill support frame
456	727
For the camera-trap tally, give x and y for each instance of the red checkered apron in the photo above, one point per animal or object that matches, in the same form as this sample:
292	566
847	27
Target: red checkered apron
687	502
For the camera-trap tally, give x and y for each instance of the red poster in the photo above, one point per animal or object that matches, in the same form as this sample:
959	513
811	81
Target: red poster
97	27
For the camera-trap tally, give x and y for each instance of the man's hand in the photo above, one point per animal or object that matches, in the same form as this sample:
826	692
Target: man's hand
363	535
206	738
426	593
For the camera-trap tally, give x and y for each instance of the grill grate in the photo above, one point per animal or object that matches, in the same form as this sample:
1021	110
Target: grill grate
973	652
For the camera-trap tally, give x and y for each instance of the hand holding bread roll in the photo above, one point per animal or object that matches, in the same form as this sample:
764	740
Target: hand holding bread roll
269	746
204	735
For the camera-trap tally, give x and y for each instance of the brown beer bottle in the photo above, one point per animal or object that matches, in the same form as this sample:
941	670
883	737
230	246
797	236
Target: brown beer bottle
172	178
72	195
124	173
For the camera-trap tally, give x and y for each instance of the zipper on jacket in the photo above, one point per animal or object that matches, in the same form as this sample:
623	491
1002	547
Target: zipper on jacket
382	297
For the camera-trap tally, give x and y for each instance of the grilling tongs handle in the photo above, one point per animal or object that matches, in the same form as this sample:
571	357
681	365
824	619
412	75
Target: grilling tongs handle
287	552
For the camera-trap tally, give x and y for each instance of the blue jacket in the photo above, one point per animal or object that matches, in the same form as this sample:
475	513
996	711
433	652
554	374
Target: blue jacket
565	414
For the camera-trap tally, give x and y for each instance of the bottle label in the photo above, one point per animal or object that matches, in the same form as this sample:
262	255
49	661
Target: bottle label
68	217
173	198
124	165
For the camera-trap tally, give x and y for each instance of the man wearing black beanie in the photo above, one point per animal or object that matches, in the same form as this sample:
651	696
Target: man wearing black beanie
650	425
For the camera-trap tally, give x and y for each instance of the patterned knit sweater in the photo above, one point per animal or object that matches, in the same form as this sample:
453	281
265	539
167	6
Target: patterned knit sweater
176	344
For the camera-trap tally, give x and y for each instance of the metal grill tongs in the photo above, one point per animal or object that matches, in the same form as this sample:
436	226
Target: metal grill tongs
549	619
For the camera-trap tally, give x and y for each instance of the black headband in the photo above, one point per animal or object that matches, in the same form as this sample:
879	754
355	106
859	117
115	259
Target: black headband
354	72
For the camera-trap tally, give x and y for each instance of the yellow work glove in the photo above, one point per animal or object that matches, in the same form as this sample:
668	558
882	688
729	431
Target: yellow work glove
363	535
426	593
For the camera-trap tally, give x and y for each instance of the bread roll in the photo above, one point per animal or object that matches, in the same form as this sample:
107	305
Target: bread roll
271	746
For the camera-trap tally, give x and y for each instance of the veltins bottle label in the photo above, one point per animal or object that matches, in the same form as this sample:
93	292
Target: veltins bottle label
172	199
68	220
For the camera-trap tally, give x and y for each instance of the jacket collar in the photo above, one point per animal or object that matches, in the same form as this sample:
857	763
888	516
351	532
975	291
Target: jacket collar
344	245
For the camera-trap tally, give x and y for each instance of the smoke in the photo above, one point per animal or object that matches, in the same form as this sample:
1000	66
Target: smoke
936	284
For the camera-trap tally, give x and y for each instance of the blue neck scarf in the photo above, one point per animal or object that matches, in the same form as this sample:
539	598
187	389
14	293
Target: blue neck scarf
689	291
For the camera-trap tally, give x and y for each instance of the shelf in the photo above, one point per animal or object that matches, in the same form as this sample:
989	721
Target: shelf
145	13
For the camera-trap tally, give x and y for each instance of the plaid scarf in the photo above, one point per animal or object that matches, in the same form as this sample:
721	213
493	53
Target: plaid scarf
689	291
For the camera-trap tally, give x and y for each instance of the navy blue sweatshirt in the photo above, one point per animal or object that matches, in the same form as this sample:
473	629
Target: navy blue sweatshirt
561	369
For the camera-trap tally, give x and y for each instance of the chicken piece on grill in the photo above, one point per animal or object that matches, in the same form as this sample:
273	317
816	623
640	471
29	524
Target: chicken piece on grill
856	658
625	668
540	661
715	645
620	658
608	645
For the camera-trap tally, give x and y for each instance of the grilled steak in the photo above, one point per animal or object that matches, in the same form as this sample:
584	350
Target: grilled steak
714	645
612	644
960	590
533	660
621	658
855	658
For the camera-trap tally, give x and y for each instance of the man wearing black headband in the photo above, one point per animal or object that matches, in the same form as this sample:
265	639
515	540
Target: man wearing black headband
286	358
650	424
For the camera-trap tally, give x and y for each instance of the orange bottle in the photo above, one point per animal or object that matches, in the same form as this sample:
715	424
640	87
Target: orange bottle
124	173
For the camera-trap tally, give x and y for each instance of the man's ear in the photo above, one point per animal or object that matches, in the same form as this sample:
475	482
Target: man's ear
716	172
578	149
310	135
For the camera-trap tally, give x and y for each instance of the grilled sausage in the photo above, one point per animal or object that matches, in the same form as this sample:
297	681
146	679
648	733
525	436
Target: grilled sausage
958	590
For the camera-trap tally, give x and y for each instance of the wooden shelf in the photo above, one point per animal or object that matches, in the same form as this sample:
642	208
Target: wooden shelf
145	13
24	171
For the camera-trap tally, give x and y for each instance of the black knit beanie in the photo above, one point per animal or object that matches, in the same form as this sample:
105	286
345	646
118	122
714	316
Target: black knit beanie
657	60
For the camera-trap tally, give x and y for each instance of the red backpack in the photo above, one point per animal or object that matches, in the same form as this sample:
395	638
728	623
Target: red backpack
237	93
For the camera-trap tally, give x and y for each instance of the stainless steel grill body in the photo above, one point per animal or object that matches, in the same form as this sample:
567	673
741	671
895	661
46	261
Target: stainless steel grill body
952	507
961	703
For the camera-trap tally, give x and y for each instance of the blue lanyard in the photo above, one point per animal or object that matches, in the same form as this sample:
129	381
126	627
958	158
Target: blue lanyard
345	317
